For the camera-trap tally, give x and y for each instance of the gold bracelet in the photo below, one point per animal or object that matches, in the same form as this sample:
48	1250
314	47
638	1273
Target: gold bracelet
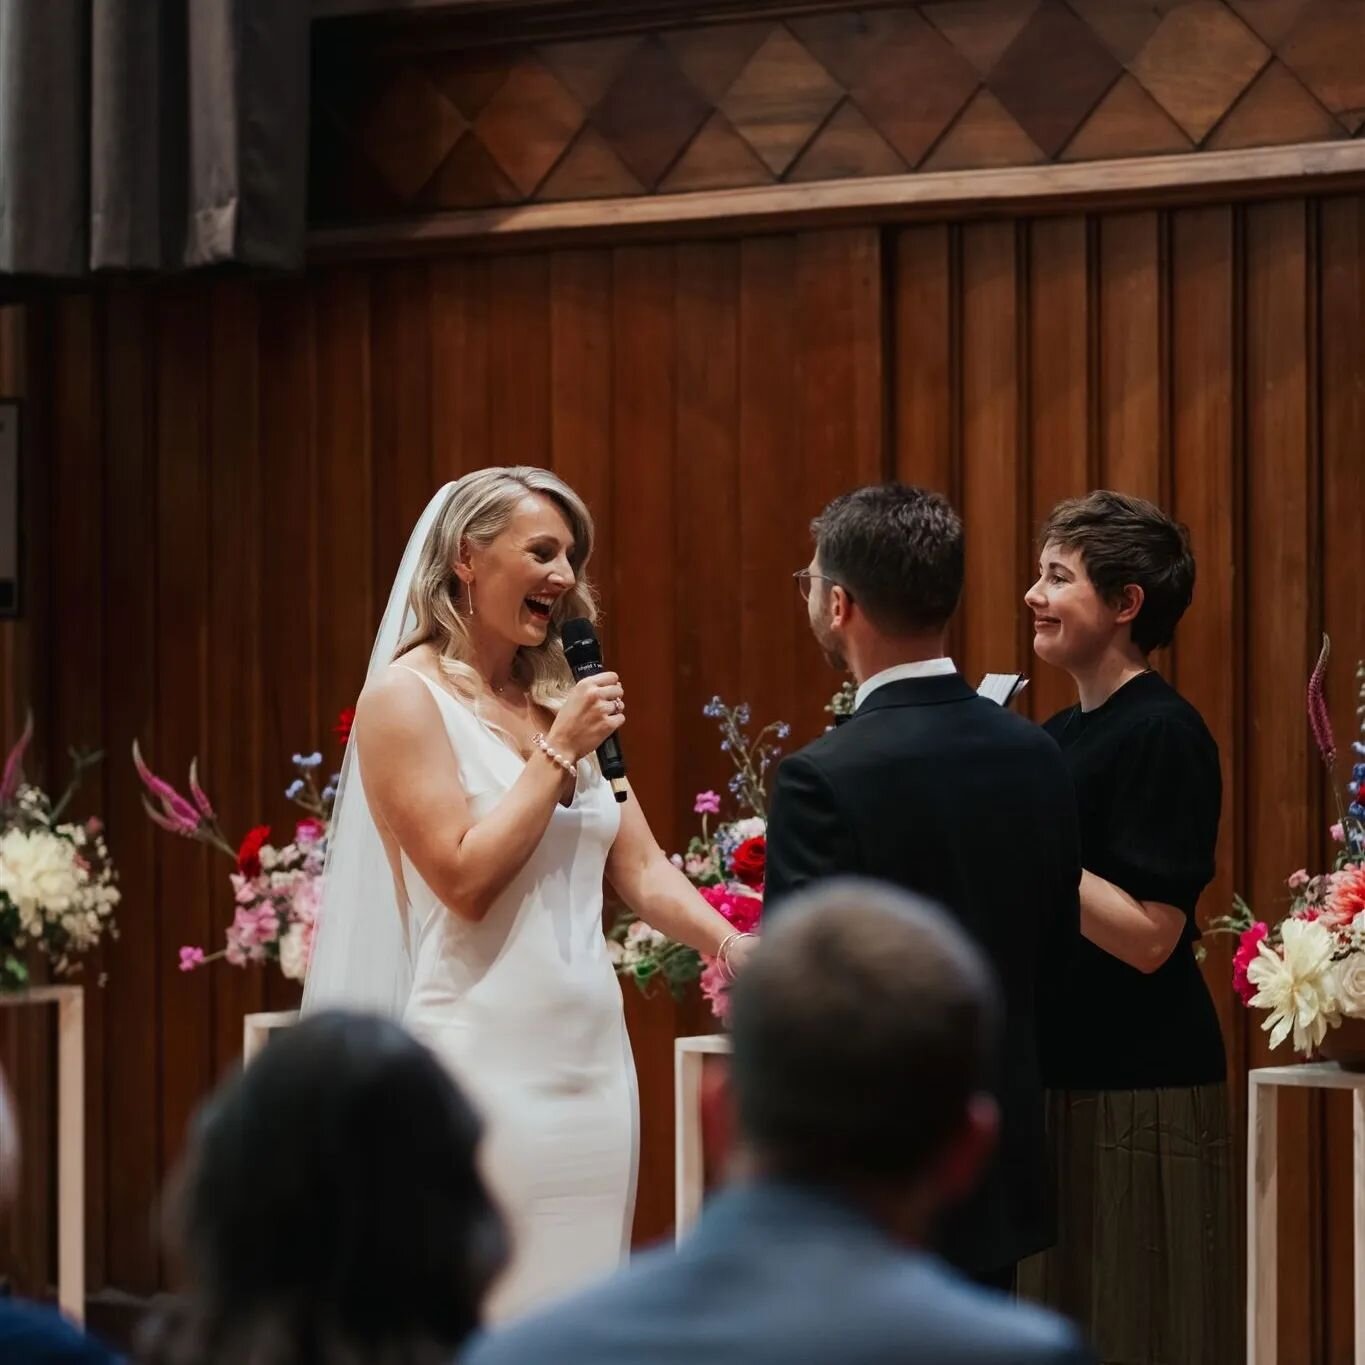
554	755
723	953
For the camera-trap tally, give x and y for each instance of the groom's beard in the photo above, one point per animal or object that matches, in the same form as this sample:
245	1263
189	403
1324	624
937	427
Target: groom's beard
824	637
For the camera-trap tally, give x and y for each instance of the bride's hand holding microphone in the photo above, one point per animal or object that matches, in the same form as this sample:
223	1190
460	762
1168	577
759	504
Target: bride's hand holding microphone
592	711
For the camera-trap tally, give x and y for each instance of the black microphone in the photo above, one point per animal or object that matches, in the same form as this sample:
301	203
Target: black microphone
584	654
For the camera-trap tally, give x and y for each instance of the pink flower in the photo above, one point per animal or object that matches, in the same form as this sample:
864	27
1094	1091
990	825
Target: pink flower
1299	879
309	831
176	814
716	989
706	803
94	825
1247	948
1338	833
1346	896
190	958
738	905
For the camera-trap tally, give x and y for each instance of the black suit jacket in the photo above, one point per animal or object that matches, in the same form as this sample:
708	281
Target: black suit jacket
935	789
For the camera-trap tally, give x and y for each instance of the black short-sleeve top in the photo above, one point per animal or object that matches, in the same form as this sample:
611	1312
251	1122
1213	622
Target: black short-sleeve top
1149	793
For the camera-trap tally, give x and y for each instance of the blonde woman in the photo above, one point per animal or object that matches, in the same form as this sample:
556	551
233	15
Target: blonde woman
486	825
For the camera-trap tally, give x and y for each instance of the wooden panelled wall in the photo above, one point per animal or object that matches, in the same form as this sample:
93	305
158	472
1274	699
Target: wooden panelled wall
224	475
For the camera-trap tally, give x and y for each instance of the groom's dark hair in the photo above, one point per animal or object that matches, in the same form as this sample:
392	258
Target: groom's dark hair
897	550
862	1027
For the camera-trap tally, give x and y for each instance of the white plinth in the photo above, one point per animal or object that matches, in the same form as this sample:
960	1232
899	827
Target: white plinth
1263	1179
257	1028
688	1167
70	1003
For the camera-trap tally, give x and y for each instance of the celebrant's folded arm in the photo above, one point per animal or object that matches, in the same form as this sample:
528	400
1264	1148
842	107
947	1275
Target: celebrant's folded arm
656	891
413	785
1141	933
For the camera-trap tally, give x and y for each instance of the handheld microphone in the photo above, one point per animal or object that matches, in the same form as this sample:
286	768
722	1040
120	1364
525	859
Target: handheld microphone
584	653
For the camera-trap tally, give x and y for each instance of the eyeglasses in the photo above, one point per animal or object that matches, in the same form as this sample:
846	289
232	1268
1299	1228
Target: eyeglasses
803	581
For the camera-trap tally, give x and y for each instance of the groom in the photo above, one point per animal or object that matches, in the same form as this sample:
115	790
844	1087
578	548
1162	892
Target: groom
946	794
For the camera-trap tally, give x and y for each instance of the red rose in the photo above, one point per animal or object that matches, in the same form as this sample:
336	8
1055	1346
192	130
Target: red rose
249	854
342	729
749	860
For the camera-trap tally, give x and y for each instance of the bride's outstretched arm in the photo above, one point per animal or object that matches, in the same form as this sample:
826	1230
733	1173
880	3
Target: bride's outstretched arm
413	785
657	892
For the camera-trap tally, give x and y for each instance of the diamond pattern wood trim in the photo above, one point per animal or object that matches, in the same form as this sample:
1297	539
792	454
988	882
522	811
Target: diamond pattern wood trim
1128	122
528	123
587	70
718	159
780	99
984	136
847	145
913	86
1275	108
409	132
651	112
1269	20
468	178
1053	75
1174	65
944	83
1326	50
711	58
981	30
590	169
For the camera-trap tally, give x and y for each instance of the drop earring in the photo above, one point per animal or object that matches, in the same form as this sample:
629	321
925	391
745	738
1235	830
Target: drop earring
471	598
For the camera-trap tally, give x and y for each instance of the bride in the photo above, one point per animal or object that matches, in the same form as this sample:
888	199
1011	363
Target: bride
470	838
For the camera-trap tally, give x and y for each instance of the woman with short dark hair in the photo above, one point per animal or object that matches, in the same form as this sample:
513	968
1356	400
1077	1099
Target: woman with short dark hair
1145	1258
330	1211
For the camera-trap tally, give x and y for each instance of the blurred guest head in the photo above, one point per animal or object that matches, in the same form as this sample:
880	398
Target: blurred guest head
863	1032
330	1208
1114	571
887	566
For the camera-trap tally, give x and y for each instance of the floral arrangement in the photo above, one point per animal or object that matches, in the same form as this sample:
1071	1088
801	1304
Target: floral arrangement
57	892
1308	969
726	862
276	889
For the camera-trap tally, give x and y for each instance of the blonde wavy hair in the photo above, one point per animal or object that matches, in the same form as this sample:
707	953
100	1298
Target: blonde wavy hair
477	511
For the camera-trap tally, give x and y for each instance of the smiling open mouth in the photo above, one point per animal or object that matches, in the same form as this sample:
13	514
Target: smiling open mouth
540	607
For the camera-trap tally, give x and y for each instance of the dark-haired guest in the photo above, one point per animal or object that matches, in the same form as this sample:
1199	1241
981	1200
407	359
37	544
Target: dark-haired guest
31	1333
331	1210
1146	1258
863	1027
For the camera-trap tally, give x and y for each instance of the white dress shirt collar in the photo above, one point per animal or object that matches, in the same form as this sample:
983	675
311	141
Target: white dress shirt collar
922	668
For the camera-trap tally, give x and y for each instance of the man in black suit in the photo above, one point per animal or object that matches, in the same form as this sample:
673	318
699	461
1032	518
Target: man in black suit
937	790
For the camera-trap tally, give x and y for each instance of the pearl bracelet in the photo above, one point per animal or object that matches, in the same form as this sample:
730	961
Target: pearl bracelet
554	755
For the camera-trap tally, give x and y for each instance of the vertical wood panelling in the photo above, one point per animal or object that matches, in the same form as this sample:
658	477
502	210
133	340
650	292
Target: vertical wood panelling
1342	389
1059	412
134	1005
1280	634
255	455
234	750
182	681
1130	354
644	573
1206	495
991	378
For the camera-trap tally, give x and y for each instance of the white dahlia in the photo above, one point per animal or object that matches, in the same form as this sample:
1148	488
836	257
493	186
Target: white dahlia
38	873
1296	984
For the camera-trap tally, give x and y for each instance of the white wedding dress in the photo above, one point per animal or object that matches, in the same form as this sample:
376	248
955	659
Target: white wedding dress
525	1010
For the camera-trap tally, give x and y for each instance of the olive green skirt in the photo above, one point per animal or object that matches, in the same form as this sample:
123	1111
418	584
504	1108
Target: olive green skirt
1148	1258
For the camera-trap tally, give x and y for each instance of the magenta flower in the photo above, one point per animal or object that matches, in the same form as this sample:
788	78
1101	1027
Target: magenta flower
190	958
1248	948
176	814
1318	719
706	803
13	773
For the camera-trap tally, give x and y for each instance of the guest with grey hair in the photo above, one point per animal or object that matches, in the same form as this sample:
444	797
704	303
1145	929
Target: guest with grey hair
863	1033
